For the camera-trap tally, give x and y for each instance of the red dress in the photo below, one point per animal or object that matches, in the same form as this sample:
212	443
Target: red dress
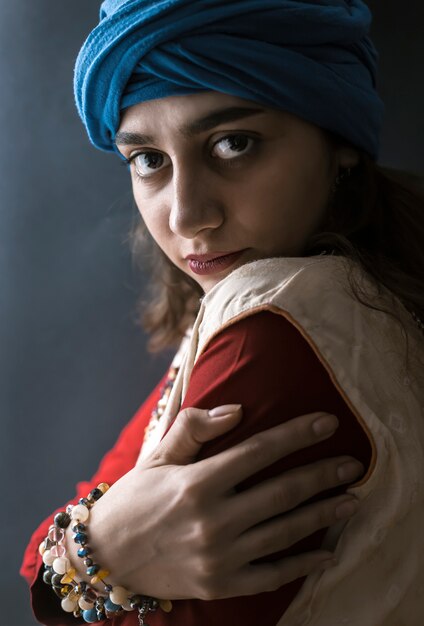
265	364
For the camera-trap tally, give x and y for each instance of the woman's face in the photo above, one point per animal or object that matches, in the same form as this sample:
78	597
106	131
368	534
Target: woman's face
221	181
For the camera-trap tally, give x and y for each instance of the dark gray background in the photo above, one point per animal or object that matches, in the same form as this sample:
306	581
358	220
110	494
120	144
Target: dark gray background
69	349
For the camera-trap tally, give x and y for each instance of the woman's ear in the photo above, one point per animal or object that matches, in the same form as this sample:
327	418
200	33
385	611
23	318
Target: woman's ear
347	157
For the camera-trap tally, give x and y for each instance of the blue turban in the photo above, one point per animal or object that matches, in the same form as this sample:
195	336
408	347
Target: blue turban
311	58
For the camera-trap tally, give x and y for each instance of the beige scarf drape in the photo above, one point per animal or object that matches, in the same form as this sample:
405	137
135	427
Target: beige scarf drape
379	579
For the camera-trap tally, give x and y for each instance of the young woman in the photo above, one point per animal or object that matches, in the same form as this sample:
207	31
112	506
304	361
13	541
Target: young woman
291	267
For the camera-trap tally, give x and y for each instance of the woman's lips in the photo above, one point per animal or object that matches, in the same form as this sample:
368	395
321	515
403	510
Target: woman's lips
212	263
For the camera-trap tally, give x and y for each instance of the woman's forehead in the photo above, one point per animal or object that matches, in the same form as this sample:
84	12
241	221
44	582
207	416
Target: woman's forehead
191	105
183	118
189	115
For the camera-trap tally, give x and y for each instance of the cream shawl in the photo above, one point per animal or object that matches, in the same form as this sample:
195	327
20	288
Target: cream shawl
379	579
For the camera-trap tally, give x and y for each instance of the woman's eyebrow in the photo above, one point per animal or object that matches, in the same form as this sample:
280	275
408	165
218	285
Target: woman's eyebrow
124	138
229	114
210	121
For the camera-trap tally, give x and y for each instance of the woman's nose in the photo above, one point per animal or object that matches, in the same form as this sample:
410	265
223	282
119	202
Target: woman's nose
195	204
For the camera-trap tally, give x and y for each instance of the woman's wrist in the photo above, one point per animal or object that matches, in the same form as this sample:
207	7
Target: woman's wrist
75	574
104	540
77	563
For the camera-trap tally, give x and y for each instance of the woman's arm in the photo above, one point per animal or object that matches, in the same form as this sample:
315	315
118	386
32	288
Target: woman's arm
113	466
140	500
265	364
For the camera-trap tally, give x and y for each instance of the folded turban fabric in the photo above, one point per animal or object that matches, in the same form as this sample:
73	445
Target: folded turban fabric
313	59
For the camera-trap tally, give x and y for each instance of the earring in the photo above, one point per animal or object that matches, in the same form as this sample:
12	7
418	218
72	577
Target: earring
342	176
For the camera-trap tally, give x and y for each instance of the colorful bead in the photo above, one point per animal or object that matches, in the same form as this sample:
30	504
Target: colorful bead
103	487
88	562
75	594
85	604
47	576
136	601
82	552
92	570
62	520
127	605
165	605
48	558
80	538
58	551
69	576
61	565
101	574
48	544
111	606
118	595
80	513
56	534
68	605
90	595
57	580
96	494
78	527
90	616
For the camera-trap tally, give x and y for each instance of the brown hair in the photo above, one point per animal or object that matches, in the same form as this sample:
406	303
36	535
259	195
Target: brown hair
376	219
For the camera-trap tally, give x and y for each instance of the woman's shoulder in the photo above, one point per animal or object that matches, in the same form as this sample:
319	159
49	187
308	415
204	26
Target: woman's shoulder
266	280
306	290
341	312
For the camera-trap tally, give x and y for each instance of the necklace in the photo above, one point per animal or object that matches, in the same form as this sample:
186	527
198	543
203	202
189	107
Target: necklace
159	410
166	389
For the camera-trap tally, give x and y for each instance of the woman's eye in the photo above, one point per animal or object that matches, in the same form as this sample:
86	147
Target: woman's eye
232	146
147	163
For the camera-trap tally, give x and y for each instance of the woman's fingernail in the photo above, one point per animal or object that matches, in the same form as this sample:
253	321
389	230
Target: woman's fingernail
350	470
347	509
328	563
325	425
226	409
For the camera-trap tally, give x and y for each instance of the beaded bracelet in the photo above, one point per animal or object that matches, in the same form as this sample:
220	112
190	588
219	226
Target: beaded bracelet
77	596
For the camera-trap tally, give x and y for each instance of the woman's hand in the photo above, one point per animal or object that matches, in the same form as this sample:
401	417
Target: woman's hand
174	528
